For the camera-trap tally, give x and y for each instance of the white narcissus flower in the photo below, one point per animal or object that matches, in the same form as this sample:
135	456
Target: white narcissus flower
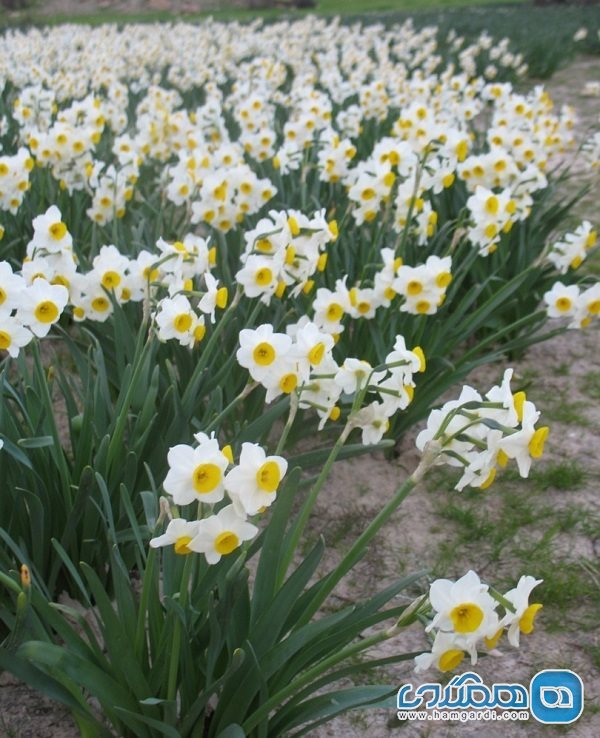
175	318
508	415
562	300
41	306
215	297
464	607
221	534
528	443
354	374
446	654
260	350
196	473
373	420
12	287
260	276
13	336
312	345
253	484
521	621
50	233
179	534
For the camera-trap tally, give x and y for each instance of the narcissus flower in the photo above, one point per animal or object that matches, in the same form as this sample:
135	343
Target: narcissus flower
253	484
260	349
179	534
196	474
41	306
50	233
13	336
221	534
464	607
521	621
447	653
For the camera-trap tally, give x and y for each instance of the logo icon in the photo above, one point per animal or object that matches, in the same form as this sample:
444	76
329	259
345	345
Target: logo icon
556	696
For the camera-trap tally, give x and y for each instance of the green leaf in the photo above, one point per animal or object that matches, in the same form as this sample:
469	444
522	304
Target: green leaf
232	731
323	708
38	442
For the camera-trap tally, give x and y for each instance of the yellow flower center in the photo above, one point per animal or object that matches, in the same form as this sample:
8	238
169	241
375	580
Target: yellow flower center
593	307
449	660
293	226
206	478
491	230
563	304
264	354
2	296
46	312
268	476
5	340
181	545
527	618
422	306
58	230
368	193
466	617
536	445
443	279
519	400
226	542
315	355
183	322
414	287
263	277
100	304
492	205
493	641
489	479
418	351
334	312
448	180
264	245
111	279
288	383
502	459
199	332
222	295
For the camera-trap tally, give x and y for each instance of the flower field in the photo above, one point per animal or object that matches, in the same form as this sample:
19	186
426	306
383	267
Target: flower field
232	257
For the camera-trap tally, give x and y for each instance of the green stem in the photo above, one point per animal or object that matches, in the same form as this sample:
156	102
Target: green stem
310	503
294	400
359	546
236	400
205	355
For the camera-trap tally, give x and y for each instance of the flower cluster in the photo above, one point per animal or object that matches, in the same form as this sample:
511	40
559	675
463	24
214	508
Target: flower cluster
569	301
301	362
466	617
283	252
570	252
206	474
478	434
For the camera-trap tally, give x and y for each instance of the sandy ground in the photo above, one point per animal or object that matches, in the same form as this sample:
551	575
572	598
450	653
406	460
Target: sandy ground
413	540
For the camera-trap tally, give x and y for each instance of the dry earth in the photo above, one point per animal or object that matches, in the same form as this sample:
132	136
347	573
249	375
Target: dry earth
447	533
